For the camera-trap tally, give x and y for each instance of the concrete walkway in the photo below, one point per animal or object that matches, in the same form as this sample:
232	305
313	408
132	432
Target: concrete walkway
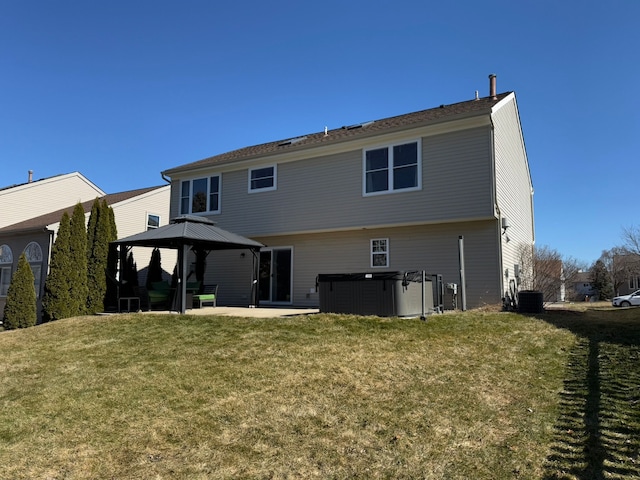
262	312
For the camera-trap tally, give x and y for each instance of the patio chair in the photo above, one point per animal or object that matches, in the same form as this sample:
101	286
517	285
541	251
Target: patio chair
209	295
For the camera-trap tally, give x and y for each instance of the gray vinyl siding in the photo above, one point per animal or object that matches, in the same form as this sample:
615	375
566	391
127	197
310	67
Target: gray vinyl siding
433	248
325	193
513	185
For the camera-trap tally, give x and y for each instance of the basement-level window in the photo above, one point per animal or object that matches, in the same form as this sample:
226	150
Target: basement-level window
380	252
200	195
392	168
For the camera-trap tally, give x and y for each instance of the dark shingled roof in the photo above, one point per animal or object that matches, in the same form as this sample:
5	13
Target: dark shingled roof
189	230
39	223
367	129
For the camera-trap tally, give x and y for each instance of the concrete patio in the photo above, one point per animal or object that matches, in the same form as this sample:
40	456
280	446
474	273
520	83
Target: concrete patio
261	312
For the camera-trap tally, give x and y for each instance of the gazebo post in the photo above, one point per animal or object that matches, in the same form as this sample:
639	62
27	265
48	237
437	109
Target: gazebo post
255	296
183	278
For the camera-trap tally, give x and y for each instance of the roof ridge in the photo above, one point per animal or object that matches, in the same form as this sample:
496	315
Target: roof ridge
442	112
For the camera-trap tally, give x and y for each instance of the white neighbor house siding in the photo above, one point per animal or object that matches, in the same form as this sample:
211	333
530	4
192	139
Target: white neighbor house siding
514	191
37	198
131	218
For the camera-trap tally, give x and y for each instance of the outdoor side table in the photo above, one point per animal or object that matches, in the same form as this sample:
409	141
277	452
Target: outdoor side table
129	300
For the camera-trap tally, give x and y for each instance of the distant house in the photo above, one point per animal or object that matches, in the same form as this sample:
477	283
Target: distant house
135	211
583	287
627	273
38	197
393	194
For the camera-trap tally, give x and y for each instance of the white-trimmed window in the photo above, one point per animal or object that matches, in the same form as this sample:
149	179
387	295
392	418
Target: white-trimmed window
379	252
33	253
392	168
263	179
153	221
200	195
6	265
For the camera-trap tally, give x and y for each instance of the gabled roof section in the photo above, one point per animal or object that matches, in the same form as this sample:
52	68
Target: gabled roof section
36	183
43	221
435	115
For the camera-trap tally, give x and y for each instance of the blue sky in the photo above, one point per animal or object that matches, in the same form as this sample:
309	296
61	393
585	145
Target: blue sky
122	90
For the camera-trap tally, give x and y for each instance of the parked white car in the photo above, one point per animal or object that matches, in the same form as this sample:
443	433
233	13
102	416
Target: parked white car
627	300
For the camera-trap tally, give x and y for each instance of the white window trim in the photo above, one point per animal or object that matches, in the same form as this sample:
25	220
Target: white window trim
5	273
264	189
34	255
191	180
372	253
390	146
6	265
149	214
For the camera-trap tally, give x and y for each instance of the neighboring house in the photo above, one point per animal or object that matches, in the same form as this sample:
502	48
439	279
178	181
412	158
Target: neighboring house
135	211
34	198
387	195
549	278
627	273
583	287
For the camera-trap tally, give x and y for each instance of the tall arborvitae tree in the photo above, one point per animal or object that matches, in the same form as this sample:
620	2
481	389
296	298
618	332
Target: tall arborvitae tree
56	299
111	232
154	271
78	251
20	308
601	280
97	253
129	276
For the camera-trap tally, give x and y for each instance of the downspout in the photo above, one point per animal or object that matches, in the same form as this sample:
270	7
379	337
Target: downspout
165	178
50	248
502	282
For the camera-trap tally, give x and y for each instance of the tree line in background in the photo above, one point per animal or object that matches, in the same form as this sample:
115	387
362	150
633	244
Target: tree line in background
78	271
556	275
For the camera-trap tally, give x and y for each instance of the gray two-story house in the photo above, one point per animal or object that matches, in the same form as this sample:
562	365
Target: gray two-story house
394	194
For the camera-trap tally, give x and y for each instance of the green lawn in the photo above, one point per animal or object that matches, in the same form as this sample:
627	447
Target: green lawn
481	395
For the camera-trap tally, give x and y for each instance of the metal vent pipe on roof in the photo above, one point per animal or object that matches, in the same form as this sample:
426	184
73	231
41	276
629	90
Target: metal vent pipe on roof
30	176
492	86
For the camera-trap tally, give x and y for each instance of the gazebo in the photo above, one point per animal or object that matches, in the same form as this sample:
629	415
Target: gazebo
196	233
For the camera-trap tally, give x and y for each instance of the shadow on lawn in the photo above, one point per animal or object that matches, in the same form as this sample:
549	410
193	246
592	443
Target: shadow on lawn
597	434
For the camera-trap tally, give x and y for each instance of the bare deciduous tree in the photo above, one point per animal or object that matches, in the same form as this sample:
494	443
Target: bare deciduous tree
621	263
631	239
550	272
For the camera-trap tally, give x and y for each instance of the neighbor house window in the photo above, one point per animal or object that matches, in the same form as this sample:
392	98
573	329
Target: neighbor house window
153	221
380	252
262	179
392	168
6	263
33	253
200	195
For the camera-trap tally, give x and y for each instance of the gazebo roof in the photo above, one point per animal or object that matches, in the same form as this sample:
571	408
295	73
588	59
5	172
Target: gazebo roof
190	230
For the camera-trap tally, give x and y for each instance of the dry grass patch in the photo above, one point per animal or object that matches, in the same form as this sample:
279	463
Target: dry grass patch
473	395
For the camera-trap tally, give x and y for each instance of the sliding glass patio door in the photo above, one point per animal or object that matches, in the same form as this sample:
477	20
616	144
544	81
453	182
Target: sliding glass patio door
276	275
